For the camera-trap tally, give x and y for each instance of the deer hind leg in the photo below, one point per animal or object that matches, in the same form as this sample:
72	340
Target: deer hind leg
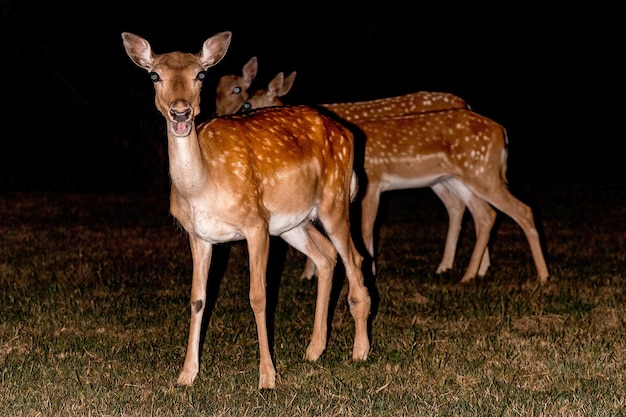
337	228
201	253
522	214
309	271
322	254
484	217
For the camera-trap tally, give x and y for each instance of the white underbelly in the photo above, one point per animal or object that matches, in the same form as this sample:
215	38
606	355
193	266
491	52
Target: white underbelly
280	223
220	232
215	232
460	189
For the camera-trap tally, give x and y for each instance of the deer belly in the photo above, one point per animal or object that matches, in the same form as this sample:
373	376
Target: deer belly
460	189
397	182
214	231
399	171
280	223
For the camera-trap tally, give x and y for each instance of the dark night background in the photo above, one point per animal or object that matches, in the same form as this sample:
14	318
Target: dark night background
79	115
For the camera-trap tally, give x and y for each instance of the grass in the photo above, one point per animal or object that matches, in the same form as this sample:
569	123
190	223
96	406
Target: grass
94	316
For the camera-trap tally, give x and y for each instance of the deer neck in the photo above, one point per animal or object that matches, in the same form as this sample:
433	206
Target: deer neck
188	170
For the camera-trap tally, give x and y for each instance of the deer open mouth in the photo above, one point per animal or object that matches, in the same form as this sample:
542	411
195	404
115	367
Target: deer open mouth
181	128
181	120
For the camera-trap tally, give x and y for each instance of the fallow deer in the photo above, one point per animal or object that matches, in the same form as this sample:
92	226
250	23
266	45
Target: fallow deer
355	112
249	177
232	90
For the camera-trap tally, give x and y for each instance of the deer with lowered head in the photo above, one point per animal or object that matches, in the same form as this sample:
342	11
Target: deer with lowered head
249	177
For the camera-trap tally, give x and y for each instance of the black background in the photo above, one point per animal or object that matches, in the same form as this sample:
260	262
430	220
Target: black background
80	116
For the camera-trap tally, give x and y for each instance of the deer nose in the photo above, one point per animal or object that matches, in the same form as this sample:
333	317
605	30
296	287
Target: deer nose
180	116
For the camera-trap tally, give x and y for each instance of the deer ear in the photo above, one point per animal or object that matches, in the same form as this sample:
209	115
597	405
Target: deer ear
214	49
275	86
288	83
139	50
250	70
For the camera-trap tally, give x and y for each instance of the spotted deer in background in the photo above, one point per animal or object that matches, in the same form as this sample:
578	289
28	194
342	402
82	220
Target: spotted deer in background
249	176
394	159
232	90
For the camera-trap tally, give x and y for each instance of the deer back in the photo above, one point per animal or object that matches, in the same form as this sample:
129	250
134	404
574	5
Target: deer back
274	163
416	150
418	102
411	103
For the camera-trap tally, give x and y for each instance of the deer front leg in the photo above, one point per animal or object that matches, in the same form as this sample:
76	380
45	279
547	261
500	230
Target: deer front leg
201	254
484	217
258	249
359	302
456	209
359	299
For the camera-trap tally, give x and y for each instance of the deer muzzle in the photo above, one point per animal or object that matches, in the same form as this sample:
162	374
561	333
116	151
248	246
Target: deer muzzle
180	120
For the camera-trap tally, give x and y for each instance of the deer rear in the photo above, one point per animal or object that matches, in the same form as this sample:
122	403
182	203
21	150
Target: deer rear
458	148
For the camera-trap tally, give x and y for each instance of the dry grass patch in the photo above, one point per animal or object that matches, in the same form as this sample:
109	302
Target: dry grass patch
94	296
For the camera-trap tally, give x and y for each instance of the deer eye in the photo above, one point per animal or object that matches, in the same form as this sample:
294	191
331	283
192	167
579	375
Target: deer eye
154	77
201	76
237	90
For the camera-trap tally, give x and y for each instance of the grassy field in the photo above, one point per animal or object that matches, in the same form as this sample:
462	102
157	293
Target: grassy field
94	316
